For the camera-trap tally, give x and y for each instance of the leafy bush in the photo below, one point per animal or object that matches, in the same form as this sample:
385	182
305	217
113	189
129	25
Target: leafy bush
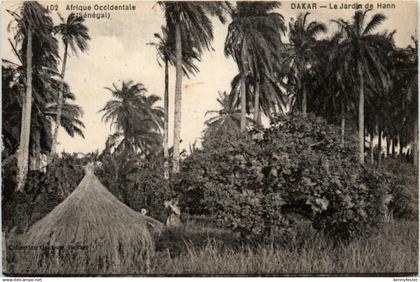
136	181
255	184
42	192
404	202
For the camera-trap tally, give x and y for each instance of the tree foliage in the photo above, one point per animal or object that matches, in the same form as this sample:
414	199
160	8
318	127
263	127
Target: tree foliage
256	184
135	118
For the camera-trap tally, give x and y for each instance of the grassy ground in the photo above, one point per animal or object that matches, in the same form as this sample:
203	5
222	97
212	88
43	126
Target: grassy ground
200	249
204	250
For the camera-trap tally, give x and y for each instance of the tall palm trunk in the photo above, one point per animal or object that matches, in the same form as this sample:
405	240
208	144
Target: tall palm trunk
379	145
302	89
301	92
35	158
394	143
243	91
178	96
243	103
416	144
32	157
60	103
304	101
388	146
257	115
401	148
343	123
4	251
165	124
25	129
372	158
361	115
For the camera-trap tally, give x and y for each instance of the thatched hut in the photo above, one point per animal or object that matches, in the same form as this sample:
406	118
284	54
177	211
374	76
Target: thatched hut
91	232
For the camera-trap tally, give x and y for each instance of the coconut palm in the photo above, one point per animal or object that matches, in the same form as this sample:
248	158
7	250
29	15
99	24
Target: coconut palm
189	19
38	51
359	48
42	116
228	118
301	53
403	98
74	34
41	129
134	116
380	100
45	114
152	112
272	100
165	48
329	85
412	97
253	41
11	111
44	89
70	117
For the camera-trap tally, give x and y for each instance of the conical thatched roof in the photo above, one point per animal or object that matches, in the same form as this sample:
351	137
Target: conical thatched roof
92	232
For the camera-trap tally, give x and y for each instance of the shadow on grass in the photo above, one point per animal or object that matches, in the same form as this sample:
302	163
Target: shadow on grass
199	232
196	232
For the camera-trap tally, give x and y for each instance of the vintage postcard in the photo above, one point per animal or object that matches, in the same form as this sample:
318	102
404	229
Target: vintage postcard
209	138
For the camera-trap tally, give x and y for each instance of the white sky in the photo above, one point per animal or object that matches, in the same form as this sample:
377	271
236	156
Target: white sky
118	52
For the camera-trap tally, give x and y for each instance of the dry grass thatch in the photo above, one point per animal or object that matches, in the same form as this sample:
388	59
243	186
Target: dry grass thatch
91	232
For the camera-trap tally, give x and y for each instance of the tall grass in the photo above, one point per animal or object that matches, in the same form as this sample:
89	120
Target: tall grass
394	250
201	249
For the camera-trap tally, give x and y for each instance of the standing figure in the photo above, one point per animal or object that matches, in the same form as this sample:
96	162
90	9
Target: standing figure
173	213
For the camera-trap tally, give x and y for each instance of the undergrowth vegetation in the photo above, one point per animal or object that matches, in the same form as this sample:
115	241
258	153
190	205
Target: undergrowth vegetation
259	184
211	251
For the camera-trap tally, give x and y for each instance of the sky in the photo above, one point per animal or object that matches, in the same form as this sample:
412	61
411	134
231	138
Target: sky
118	51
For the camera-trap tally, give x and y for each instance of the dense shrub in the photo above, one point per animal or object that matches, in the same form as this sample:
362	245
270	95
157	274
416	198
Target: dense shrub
404	202
43	191
137	181
256	184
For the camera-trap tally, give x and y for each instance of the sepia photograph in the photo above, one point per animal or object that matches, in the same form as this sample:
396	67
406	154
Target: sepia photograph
209	138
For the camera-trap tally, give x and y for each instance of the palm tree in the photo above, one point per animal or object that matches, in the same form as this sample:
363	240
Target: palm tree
11	111
253	41
41	133
379	100
43	114
70	115
134	116
165	48
412	98
359	48
404	97
38	51
152	112
74	34
340	85
328	83
301	53
271	101
228	118
189	18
